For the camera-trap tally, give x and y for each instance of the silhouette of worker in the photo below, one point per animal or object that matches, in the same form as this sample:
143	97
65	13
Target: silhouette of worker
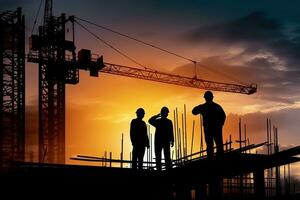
213	121
139	139
164	137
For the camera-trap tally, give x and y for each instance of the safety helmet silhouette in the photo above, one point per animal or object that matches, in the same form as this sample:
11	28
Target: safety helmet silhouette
208	95
164	110
140	111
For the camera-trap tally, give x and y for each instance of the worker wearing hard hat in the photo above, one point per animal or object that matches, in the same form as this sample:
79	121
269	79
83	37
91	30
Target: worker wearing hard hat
164	137
213	121
139	139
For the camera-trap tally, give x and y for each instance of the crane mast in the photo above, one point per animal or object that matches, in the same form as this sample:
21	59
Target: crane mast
48	11
54	73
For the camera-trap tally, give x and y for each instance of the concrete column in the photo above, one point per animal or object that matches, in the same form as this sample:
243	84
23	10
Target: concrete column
259	184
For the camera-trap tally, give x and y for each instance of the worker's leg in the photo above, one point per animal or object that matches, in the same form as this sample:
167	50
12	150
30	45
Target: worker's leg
134	157
219	141
168	161
141	154
209	142
158	149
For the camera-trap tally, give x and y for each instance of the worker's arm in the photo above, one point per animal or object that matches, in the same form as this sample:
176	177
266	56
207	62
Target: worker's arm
197	110
153	121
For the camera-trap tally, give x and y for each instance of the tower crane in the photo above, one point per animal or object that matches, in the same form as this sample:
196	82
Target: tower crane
50	49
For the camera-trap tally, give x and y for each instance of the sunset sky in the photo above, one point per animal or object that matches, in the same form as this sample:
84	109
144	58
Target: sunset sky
255	41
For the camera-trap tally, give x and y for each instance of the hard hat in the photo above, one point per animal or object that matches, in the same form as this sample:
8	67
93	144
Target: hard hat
140	111
164	109
208	94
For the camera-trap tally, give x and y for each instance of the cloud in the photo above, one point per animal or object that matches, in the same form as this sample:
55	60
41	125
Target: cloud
268	54
255	27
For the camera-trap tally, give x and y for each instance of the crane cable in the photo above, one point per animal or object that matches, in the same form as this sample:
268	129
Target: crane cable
137	40
112	47
223	73
36	16
164	50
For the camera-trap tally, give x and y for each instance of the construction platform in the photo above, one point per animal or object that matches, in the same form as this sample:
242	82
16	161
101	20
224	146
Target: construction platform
187	181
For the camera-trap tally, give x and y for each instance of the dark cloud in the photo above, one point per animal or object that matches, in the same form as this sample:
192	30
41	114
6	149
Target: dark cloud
272	51
273	85
254	27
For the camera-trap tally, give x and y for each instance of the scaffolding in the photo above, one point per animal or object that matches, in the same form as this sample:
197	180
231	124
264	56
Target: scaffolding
242	173
12	84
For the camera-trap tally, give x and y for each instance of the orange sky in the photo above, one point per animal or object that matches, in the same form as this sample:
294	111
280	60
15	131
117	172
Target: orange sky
100	109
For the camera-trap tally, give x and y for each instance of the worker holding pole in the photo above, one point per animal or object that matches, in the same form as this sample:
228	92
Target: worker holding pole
139	139
164	137
213	121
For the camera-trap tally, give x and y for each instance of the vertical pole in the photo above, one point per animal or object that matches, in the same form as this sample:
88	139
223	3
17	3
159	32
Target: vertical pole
268	148
185	130
284	179
201	139
110	158
180	150
289	178
240	144
148	151
240	133
183	137
122	151
248	143
230	142
268	135
105	157
227	145
245	135
193	132
278	183
175	133
270	174
151	148
178	136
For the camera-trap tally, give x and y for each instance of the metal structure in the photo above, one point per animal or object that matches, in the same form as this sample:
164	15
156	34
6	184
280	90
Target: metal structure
54	73
177	79
244	173
58	66
12	84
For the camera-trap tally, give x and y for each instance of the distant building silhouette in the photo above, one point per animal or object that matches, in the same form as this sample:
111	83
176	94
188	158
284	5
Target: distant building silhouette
139	139
164	137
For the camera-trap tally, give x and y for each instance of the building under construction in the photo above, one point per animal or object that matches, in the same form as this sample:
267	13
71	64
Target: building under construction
239	174
12	84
